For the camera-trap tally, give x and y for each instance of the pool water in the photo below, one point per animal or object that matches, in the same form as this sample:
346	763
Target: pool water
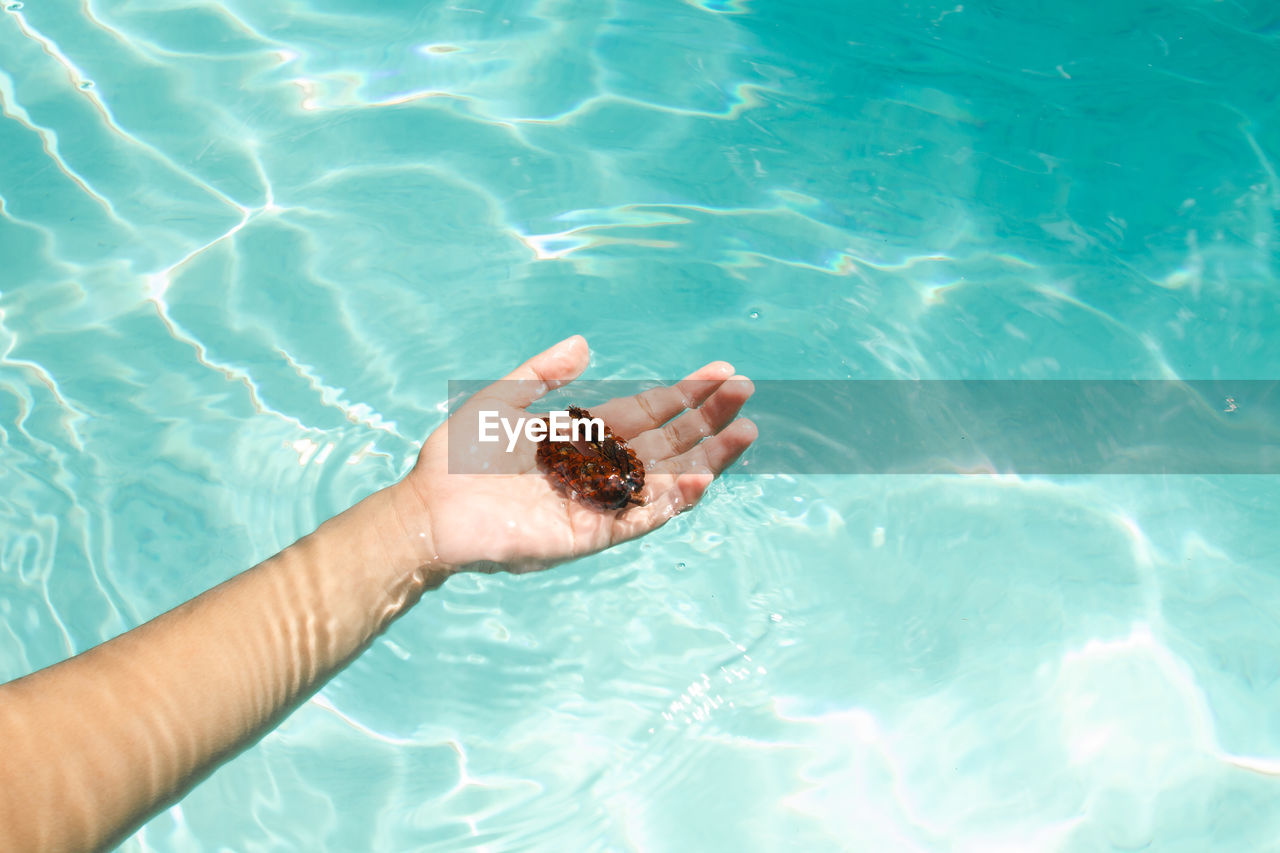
245	246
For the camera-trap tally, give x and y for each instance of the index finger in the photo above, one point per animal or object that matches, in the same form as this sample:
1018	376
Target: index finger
630	416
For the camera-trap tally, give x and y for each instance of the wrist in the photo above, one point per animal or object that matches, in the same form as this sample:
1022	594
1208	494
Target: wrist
411	538
383	544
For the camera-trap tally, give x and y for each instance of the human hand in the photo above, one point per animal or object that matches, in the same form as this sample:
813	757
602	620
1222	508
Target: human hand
685	434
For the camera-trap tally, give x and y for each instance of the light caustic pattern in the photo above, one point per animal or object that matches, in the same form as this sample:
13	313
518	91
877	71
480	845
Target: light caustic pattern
245	245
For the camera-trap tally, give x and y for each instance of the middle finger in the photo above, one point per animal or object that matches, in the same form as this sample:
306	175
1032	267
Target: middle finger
695	424
630	416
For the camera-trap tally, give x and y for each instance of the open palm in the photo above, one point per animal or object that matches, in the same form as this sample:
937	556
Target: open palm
685	434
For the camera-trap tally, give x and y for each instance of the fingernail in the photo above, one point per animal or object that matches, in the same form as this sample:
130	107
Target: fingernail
568	343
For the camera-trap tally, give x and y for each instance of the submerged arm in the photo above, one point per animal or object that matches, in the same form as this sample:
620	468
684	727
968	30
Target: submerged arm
94	745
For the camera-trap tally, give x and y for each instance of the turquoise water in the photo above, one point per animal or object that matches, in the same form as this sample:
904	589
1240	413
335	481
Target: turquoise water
245	245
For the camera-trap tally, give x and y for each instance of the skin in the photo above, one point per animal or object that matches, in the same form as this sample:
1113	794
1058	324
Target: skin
95	745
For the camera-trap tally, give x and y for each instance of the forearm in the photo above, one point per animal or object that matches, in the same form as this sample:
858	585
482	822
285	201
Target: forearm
95	744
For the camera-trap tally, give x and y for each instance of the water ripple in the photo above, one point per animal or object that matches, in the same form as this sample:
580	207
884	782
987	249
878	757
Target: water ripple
247	244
